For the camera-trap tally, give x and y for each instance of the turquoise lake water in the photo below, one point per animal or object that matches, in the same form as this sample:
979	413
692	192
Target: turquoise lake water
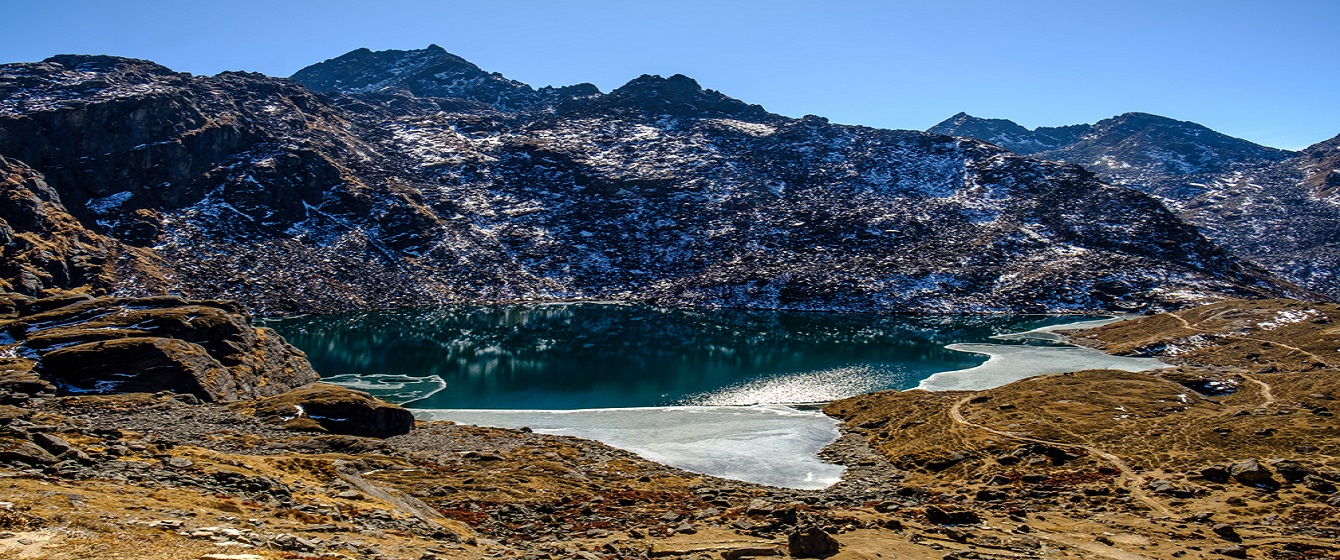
599	355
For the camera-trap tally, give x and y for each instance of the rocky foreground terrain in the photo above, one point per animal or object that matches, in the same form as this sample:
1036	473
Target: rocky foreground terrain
1231	454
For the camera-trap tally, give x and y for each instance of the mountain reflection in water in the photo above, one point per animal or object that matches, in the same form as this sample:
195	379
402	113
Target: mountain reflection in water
592	355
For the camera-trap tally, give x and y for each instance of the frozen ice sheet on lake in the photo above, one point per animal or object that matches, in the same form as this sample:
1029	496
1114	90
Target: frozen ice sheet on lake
399	389
1007	363
766	444
1049	333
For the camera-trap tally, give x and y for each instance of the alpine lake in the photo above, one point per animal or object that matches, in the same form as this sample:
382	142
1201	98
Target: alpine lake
715	391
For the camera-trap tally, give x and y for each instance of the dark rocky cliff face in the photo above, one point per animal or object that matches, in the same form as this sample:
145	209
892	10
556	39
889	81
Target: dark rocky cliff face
45	247
256	189
1274	207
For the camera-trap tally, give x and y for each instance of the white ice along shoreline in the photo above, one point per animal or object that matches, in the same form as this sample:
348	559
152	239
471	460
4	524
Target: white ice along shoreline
1007	363
774	445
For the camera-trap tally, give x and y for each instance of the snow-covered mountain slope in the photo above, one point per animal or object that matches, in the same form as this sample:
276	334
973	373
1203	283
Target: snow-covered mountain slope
1147	152
257	189
1285	217
1158	155
1272	206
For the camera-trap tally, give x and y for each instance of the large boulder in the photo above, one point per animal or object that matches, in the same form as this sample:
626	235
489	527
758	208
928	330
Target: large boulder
20	452
114	345
139	365
812	542
941	517
1251	473
334	409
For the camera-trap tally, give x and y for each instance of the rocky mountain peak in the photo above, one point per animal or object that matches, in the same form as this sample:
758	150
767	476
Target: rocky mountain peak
1139	144
105	64
679	95
1008	134
428	72
1137	123
678	85
1321	166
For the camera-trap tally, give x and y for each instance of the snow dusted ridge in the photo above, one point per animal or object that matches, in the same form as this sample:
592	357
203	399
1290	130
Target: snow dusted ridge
430	72
1277	208
257	189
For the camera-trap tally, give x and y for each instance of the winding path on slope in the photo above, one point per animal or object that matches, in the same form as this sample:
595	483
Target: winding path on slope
1134	481
1267	395
1186	324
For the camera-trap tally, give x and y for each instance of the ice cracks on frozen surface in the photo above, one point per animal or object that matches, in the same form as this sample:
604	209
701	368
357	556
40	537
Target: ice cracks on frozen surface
766	444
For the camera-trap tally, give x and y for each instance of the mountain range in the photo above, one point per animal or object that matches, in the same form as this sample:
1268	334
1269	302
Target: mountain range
405	178
1277	208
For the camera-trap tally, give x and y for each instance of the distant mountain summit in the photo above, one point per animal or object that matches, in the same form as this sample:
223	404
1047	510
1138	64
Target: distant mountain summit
1008	134
429	72
1278	208
1134	149
1143	149
678	95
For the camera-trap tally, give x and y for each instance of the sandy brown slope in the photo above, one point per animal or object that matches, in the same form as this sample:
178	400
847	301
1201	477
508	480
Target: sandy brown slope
1145	452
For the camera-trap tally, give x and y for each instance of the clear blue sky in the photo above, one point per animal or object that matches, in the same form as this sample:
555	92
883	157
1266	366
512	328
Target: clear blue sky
1261	70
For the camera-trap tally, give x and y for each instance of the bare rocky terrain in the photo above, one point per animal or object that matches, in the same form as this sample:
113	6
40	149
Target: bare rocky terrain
1276	208
448	184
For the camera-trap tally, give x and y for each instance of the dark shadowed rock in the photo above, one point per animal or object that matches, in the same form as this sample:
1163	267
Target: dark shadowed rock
1292	471
105	345
1226	531
137	365
941	517
1251	473
54	444
335	409
1318	484
1215	474
25	452
17	376
812	542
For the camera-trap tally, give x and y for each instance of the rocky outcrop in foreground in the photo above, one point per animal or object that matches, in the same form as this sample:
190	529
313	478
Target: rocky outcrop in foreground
334	409
81	344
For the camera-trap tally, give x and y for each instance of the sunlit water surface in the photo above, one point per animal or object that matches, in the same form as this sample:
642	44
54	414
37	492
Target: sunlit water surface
698	389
